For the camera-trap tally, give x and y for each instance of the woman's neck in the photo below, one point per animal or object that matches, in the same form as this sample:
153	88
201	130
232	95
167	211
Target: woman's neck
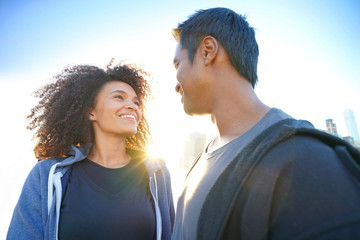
109	154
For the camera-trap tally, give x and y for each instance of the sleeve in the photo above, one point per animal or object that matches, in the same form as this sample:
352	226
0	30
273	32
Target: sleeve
299	190
315	195
26	222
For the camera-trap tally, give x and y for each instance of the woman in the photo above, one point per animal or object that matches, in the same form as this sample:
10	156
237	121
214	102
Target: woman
96	182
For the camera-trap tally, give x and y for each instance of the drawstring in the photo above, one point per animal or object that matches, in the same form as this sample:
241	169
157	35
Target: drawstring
58	193
50	186
55	181
157	211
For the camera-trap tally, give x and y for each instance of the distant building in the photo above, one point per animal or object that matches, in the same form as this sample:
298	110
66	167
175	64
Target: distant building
349	139
331	127
192	147
351	126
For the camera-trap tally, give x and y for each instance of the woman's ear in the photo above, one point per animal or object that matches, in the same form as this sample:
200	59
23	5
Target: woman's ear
210	47
92	115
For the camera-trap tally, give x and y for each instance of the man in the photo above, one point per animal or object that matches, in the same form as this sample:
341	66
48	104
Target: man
265	175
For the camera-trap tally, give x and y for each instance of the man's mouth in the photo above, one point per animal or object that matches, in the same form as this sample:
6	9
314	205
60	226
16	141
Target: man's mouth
179	89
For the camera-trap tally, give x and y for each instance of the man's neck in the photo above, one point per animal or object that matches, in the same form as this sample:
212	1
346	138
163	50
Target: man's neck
234	116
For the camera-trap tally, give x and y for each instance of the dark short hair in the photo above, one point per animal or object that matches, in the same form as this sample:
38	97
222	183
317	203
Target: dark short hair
230	29
60	118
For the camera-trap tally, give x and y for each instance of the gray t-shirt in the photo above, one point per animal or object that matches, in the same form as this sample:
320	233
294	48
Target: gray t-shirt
203	175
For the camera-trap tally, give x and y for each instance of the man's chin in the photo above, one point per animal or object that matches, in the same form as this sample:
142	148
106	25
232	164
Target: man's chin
191	111
188	110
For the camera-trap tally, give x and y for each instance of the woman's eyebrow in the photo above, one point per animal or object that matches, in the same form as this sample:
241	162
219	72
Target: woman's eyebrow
122	91
118	91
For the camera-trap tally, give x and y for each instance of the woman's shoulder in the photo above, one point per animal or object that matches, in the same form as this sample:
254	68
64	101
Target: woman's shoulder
45	165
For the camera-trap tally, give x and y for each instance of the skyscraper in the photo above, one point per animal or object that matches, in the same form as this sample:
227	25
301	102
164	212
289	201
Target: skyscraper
331	127
351	125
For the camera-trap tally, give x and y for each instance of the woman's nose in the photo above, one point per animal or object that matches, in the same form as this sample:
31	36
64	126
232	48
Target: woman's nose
132	106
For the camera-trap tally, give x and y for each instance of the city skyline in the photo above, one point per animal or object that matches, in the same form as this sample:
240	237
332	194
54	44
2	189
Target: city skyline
352	136
349	121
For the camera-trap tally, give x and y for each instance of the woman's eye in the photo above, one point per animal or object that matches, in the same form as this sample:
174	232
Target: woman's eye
137	104
119	97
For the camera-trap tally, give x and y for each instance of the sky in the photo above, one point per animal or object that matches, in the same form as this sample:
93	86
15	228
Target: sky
309	64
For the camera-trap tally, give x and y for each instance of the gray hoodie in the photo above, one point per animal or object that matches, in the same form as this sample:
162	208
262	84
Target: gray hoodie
37	213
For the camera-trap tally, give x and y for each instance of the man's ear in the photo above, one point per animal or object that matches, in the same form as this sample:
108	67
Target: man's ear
210	48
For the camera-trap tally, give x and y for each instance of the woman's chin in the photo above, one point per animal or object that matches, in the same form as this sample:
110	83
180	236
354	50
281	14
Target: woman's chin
129	133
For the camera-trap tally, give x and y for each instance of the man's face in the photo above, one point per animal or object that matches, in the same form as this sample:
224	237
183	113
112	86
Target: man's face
192	83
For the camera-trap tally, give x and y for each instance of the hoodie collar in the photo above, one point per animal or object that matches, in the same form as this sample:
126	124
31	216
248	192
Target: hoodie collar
76	154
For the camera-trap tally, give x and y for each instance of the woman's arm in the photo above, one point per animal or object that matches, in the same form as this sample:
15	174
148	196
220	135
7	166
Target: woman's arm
26	222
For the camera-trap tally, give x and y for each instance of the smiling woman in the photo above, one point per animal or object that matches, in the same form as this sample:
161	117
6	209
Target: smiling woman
114	117
60	105
92	134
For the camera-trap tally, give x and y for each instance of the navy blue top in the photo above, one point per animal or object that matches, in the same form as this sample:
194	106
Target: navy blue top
103	203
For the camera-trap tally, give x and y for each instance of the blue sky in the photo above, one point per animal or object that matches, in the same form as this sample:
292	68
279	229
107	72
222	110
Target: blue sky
309	63
308	66
33	32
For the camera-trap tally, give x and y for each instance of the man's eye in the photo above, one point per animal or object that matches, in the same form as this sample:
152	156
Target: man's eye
137	104
176	66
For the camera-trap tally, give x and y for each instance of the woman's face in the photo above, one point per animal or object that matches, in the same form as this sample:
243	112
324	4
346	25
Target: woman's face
116	111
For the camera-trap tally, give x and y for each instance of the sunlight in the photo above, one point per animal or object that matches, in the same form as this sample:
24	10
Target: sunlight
198	172
154	151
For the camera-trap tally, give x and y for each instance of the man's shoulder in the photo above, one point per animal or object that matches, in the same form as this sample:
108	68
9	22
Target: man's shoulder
300	130
296	139
300	153
293	145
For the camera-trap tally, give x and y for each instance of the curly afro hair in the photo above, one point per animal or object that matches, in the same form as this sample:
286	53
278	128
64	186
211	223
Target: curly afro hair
60	119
